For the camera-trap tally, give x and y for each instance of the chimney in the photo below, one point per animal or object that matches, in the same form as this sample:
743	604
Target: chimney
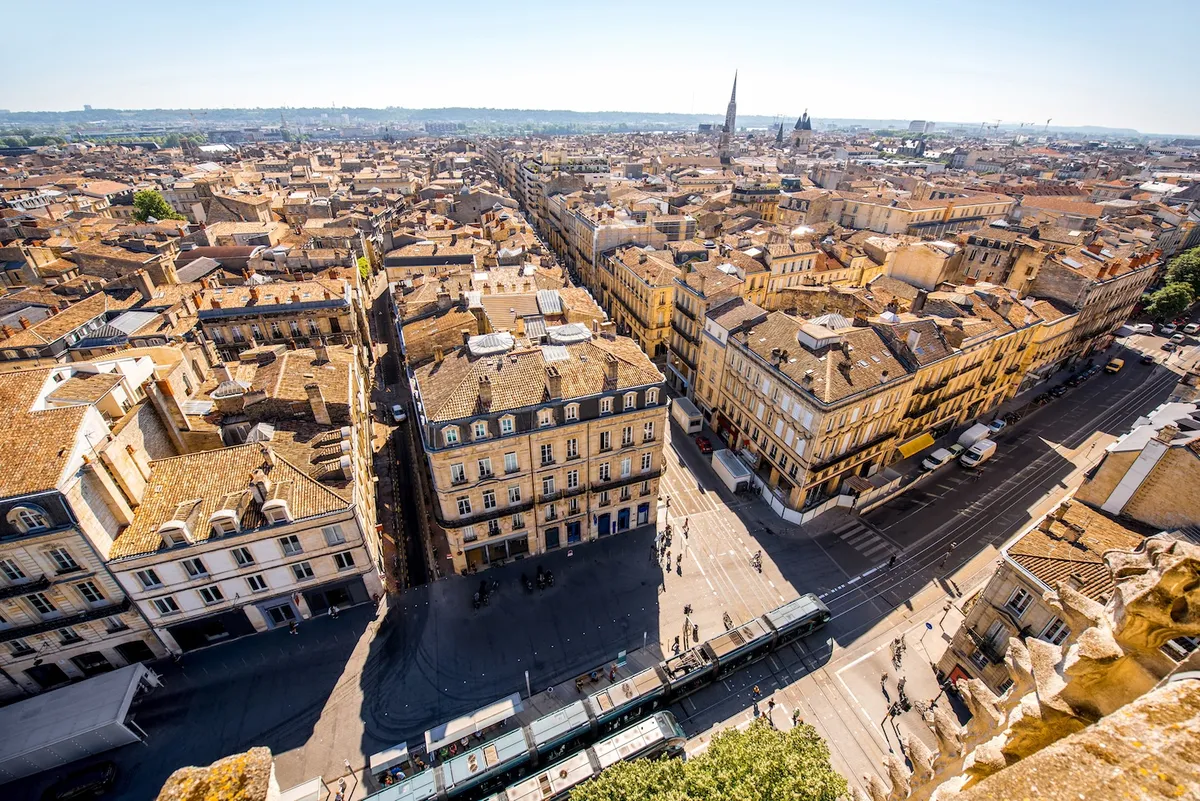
919	302
1167	433
254	294
485	393
7	330
53	309
465	334
295	296
1061	512
453	239
145	284
316	399
520	326
328	295
608	330
216	304
553	382
610	370
24	321
703	281
443	300
439	354
322	351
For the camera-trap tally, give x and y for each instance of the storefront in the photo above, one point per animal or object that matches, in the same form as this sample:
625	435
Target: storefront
498	550
339	593
221	627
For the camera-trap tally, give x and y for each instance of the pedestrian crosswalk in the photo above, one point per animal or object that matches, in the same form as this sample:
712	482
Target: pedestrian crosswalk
866	539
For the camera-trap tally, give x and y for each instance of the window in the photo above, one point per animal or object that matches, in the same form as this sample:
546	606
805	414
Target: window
518	521
545	418
464	505
648	432
548	454
605	441
148	579
480	430
510	463
651	397
275	332
256	583
165	606
295	327
114	623
604	498
1004	685
211	595
645	488
333	535
647	461
242	557
90	592
1019	601
572	411
11	570
485	468
195	568
291	545
626	467
630	401
627	436
548	485
606	406
506	425
979	659
604	472
302	571
493	528
514	495
1056	631
573	507
28	518
468	534
62	560
572	479
458	474
450	435
489	499
255	331
344	560
19	648
313	328
551	512
40	603
572	449
68	635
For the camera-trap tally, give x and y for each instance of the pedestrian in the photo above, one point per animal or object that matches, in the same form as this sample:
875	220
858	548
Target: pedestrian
612	672
675	646
892	562
756	693
796	719
668	560
342	785
333	611
292	627
770	706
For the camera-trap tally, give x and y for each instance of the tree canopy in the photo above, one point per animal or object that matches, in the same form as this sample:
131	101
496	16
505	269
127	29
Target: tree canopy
149	203
1185	269
1169	301
758	764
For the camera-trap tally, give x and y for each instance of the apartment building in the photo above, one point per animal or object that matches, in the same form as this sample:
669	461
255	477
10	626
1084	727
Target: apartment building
79	440
1052	346
703	286
536	447
638	291
760	196
580	232
731	316
811	404
1066	548
942	213
293	313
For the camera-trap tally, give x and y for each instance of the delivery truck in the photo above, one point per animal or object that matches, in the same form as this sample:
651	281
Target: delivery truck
973	434
978	453
687	415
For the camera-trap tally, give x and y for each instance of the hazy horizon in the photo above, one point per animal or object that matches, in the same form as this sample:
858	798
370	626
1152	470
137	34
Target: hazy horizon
936	60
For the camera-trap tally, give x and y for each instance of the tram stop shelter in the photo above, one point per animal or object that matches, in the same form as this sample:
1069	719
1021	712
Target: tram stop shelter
472	724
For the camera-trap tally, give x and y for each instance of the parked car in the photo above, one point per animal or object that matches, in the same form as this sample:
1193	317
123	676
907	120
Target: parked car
936	459
398	413
704	444
956	450
1168	329
1192	328
1179	339
1059	391
1148	358
1142	328
1169	346
90	782
1114	366
997	426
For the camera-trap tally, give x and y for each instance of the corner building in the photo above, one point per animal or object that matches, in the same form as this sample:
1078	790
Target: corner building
539	444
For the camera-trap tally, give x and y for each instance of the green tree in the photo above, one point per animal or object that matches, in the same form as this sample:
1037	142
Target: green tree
1169	301
149	203
364	268
758	764
1185	269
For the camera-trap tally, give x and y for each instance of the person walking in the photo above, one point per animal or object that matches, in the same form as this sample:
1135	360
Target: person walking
292	627
796	719
333	611
756	693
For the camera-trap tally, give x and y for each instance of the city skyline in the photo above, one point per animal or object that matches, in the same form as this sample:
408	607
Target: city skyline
935	66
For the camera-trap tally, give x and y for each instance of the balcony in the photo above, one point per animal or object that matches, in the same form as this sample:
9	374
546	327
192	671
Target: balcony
993	652
684	334
39	583
67	620
929	390
853	452
617	483
481	517
459	481
685	313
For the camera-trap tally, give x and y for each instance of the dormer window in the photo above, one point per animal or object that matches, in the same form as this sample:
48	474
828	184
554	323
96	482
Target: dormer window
651	397
28	518
224	521
606	406
545	418
450	435
480	430
174	533
277	511
630	401
572	411
507	425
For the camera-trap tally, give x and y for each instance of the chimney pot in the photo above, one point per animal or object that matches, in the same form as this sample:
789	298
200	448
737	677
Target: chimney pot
24	321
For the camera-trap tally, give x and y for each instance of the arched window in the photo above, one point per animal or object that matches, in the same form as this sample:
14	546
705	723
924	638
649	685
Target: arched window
450	435
651	397
28	518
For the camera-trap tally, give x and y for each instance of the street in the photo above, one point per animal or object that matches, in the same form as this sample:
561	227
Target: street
344	689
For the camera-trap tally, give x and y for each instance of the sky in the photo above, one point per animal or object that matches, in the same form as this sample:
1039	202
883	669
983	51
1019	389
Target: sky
1117	64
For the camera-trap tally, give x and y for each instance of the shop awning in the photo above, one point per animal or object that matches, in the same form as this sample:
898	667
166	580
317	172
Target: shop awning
472	724
916	445
389	758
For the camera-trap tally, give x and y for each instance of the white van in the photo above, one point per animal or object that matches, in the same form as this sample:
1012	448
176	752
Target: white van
978	453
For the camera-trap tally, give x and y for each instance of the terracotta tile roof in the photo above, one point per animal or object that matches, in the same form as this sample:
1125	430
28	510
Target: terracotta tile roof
84	387
716	282
70	318
734	313
450	390
37	445
1054	556
193	486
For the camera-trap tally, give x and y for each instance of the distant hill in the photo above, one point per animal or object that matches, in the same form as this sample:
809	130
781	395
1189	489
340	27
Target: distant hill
475	120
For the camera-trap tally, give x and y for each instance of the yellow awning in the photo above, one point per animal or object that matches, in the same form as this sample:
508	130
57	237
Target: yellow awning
916	445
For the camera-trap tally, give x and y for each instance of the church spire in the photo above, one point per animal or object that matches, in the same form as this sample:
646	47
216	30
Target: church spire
779	135
733	94
730	126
